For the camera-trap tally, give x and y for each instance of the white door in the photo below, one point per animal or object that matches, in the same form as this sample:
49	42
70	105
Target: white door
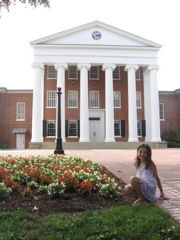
95	132
20	141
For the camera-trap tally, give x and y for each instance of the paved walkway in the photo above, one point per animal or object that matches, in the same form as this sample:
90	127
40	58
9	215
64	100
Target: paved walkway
120	163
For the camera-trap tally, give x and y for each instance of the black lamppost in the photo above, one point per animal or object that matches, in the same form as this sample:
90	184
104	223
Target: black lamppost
59	149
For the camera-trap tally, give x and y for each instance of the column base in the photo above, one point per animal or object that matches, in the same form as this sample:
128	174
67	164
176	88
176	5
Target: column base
155	140
133	140
84	140
35	145
109	140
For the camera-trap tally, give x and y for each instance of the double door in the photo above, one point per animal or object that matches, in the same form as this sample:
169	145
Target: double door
95	130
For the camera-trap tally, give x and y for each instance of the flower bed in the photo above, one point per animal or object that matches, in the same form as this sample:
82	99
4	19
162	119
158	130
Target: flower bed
54	175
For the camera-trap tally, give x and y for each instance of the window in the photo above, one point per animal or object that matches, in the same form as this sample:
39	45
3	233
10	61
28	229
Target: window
20	111
94	99
51	98
72	72
51	72
117	128
117	99
72	99
161	111
94	72
116	73
51	128
72	128
139	128
138	74
138	99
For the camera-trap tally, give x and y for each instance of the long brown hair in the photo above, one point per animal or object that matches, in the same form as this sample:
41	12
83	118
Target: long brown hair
148	159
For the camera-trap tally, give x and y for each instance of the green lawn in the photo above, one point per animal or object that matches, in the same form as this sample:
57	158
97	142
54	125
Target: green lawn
146	222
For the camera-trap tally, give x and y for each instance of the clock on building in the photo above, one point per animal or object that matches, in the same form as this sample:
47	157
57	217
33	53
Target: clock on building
96	35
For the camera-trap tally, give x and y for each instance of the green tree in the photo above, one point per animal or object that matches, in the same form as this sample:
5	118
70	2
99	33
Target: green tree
7	3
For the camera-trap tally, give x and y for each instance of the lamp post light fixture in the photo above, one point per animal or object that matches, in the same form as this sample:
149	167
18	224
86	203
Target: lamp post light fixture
59	149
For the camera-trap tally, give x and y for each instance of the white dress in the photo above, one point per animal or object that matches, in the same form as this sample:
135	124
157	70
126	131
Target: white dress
148	183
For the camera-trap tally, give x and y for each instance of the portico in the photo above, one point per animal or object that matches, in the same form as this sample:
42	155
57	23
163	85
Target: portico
98	44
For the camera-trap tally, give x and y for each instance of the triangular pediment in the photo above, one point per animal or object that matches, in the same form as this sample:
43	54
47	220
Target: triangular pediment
96	33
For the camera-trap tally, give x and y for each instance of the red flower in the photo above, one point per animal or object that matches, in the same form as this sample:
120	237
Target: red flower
3	174
27	192
85	187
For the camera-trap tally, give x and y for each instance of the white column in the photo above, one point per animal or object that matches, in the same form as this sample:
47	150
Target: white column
147	102
152	104
109	68
61	67
132	109
38	97
84	112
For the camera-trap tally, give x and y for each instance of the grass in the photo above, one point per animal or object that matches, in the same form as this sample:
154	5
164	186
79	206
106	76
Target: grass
146	222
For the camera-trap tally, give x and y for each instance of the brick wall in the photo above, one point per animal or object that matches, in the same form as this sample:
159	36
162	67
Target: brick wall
8	117
99	85
9	99
171	111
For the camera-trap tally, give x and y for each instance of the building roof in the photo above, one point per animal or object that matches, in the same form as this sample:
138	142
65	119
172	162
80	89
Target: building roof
19	130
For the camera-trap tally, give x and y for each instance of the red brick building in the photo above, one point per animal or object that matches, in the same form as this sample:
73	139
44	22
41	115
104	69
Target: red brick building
170	110
108	80
16	115
15	118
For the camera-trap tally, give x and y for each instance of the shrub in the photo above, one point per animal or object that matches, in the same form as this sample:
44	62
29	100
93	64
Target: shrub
169	136
172	138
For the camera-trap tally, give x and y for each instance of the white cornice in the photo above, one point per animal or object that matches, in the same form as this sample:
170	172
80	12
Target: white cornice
175	92
96	46
19	91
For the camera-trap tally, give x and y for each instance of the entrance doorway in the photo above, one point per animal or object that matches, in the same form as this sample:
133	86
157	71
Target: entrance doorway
20	141
95	130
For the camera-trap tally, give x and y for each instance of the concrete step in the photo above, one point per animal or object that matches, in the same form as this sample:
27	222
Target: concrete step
95	145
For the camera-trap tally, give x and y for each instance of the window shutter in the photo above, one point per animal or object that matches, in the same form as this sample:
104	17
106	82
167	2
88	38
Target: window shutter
78	128
66	128
44	128
123	128
143	128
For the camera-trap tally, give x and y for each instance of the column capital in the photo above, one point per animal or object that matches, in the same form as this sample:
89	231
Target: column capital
128	67
37	65
153	67
63	65
84	65
108	65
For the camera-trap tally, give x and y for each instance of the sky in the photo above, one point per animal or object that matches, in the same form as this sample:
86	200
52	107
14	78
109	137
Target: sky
155	20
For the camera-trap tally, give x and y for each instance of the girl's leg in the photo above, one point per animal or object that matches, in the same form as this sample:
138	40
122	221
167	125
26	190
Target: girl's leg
135	183
129	190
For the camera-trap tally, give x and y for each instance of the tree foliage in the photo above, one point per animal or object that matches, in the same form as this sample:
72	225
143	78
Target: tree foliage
5	4
169	135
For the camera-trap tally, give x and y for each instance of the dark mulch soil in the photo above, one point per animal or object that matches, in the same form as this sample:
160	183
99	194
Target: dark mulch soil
42	204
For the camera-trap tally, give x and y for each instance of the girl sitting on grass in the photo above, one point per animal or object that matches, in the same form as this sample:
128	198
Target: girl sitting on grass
145	183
